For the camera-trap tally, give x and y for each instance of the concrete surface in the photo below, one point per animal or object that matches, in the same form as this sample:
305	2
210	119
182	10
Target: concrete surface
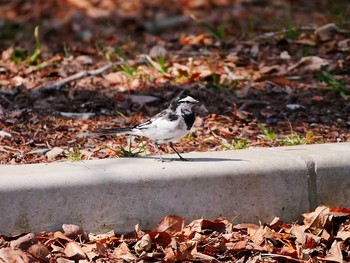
244	185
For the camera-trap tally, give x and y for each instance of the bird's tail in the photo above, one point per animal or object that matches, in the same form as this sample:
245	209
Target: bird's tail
113	131
104	132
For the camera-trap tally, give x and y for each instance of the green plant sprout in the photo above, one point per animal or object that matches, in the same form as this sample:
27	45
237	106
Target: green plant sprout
237	144
74	155
19	55
35	56
219	33
296	139
338	86
129	151
160	64
269	134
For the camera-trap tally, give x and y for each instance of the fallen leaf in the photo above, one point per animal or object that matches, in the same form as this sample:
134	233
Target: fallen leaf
53	153
4	134
344	45
285	55
236	246
24	242
95	237
123	252
64	260
74	231
171	224
203	257
60	235
161	238
84	60
169	255
344	232
203	224
243	92
316	220
17	81
327	32
90	251
311	63
74	251
144	244
246	226
335	253
157	51
39	251
257	236
306	239
116	77
9	254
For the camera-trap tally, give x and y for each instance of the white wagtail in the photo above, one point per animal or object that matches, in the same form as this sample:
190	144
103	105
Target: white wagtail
167	126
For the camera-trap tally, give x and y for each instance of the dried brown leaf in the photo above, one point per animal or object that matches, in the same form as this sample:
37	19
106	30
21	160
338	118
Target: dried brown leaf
335	253
171	224
257	236
60	235
96	237
123	252
169	255
236	246
116	78
246	226
39	251
90	250
9	254
161	238
327	32
74	231
317	219
53	153
144	244
344	231
74	251
311	63
157	51
24	242
64	260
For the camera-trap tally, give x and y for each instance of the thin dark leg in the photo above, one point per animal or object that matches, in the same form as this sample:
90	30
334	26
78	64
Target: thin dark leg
172	147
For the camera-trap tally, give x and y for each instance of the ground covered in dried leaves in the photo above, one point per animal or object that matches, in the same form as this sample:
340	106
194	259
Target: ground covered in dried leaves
324	236
267	73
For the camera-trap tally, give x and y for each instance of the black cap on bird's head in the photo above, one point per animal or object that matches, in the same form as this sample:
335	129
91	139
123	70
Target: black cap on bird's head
184	99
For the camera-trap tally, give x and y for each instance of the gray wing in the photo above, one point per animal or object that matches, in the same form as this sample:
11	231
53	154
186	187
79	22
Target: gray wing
151	122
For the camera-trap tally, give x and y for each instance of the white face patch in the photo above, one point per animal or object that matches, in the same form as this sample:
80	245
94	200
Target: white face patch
188	99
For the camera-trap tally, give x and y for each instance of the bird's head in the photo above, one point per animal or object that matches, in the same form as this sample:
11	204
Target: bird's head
183	103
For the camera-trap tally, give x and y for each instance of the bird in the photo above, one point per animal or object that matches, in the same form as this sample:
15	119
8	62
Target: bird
166	127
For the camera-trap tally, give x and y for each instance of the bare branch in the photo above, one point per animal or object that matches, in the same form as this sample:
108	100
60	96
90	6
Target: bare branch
87	73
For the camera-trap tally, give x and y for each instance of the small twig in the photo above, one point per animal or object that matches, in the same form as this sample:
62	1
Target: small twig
282	257
87	73
248	103
270	35
8	149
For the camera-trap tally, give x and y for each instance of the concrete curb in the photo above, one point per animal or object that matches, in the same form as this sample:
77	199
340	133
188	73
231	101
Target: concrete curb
249	185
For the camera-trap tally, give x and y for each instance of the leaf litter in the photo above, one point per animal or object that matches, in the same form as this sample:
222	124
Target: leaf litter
67	77
323	236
